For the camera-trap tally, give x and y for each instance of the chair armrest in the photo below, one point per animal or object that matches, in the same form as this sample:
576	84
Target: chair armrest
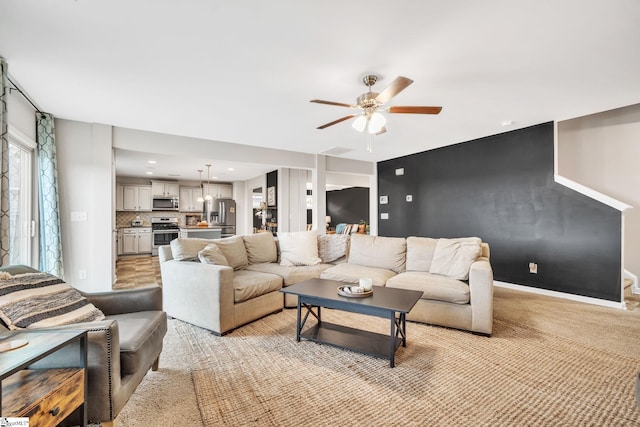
481	294
127	300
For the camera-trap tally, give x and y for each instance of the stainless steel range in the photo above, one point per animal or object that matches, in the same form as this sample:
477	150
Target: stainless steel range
163	230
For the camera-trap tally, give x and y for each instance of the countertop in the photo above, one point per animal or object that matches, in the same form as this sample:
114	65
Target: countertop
195	227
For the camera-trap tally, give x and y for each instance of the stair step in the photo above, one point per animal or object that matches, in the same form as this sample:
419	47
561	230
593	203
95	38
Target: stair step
627	282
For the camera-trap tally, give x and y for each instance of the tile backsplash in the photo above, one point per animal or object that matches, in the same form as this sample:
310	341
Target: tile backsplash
124	218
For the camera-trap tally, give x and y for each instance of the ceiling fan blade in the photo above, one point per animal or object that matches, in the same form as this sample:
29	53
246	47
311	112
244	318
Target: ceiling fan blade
339	104
335	122
415	110
396	86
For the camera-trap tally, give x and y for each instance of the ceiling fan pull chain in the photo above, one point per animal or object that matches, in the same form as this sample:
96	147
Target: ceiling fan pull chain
369	140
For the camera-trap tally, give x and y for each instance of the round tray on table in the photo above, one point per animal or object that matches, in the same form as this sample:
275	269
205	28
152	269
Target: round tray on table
344	293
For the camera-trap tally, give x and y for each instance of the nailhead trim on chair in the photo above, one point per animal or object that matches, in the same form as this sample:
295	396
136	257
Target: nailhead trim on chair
109	364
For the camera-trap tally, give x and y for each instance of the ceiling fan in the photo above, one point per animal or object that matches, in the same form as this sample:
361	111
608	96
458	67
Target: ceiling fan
372	104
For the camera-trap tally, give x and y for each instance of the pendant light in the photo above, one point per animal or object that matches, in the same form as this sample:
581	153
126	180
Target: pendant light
208	196
201	198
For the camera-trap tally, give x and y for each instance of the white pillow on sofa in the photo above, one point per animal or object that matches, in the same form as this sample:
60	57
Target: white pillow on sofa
453	257
298	248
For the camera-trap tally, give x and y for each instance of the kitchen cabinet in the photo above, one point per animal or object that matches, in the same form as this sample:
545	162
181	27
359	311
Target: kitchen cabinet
136	241
189	199
119	198
219	191
135	198
165	189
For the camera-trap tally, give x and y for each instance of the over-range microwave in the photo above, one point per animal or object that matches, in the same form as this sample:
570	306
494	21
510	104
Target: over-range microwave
165	204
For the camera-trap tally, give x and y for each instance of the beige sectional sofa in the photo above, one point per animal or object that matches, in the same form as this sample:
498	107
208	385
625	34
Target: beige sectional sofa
222	284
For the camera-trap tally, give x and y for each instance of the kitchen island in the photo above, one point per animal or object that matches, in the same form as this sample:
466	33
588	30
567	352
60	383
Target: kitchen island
193	231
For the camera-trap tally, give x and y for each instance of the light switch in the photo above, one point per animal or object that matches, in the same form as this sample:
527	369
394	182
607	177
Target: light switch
384	215
400	171
78	216
409	198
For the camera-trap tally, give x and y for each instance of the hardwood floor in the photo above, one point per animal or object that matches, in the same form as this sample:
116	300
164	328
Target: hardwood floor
137	272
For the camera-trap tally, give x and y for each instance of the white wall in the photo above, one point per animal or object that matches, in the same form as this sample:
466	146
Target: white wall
602	151
85	177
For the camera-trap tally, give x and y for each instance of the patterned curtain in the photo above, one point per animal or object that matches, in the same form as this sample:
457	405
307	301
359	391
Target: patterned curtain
4	172
50	237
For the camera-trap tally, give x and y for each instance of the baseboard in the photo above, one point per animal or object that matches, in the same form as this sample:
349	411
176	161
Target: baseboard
563	295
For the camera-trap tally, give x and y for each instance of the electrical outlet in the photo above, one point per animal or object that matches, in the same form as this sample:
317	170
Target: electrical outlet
409	198
533	268
82	274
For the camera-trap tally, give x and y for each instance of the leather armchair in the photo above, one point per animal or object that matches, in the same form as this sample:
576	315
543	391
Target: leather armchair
121	348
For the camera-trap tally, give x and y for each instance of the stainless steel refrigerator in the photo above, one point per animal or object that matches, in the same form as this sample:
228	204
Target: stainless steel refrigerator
223	214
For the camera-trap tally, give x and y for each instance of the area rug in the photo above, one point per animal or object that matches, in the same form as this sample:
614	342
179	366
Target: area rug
260	375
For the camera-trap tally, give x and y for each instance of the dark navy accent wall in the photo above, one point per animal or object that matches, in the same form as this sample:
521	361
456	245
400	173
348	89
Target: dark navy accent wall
349	205
501	189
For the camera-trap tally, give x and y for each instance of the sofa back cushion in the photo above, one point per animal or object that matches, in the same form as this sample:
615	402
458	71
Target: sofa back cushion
41	300
420	252
381	252
234	251
453	257
187	249
261	247
298	248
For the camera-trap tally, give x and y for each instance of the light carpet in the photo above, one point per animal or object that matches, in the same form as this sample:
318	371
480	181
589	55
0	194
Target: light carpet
549	362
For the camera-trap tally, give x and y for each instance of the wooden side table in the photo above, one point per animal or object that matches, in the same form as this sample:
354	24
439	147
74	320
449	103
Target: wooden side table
44	380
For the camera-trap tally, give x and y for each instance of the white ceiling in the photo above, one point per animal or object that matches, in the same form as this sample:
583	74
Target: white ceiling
244	71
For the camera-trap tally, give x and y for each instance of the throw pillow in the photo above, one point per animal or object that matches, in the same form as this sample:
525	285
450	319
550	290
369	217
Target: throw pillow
261	247
4	275
212	254
234	251
41	300
298	248
332	246
453	257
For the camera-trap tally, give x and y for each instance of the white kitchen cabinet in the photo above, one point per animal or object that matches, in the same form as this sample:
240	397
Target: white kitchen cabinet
136	241
219	191
165	189
119	198
135	198
189	199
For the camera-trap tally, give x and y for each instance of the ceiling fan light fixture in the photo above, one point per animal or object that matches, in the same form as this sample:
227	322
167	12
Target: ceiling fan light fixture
376	122
360	123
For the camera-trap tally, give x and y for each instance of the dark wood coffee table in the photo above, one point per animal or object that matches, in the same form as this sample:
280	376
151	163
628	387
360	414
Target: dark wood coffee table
390	303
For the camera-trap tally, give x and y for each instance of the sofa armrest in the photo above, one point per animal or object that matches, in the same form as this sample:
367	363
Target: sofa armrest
199	293
127	300
481	294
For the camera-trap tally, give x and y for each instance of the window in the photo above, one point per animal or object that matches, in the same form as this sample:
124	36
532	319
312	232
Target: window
20	200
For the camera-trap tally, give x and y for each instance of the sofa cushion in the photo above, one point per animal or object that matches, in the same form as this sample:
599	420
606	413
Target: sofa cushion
352	273
453	257
261	247
234	251
212	254
298	248
141	335
40	300
433	287
381	252
186	249
332	247
420	252
291	275
250	284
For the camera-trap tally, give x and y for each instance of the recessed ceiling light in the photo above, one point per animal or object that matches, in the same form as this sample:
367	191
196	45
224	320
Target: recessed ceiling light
149	173
506	123
152	162
230	169
214	177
